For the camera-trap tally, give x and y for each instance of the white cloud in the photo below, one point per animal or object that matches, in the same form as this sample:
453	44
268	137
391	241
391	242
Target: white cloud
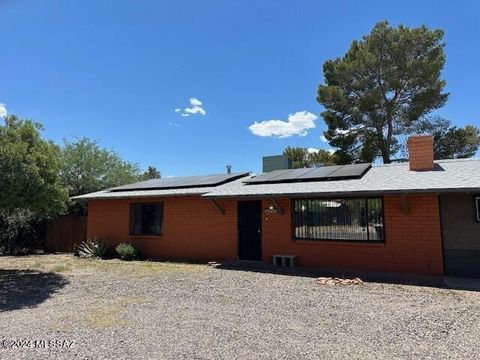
324	139
297	124
3	110
194	108
331	151
195	102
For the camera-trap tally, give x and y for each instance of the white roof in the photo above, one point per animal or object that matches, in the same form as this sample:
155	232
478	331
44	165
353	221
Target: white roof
449	176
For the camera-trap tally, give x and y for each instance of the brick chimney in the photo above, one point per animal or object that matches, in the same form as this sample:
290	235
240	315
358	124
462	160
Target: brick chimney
420	150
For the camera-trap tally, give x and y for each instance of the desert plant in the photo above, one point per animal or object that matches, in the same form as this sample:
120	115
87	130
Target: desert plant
127	251
75	250
94	248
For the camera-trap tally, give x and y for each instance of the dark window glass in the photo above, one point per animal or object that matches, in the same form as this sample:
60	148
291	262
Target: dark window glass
146	219
338	219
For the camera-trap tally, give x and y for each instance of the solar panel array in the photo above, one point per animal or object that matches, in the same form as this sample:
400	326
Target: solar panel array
181	182
337	172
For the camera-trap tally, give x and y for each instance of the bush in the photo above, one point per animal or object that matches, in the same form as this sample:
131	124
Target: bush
93	248
20	232
127	251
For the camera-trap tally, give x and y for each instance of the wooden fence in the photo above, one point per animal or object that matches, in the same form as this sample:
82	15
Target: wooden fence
64	232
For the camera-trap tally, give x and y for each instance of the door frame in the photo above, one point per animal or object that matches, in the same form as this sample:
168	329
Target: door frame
261	229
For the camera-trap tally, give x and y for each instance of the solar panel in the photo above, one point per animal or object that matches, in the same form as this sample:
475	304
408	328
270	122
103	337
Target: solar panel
279	175
209	179
321	172
324	173
268	176
349	171
181	182
294	174
145	184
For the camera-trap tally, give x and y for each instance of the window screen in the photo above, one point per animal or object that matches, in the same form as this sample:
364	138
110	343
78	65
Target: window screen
146	219
355	219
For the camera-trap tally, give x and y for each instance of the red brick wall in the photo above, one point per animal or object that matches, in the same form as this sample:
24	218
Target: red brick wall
413	240
194	229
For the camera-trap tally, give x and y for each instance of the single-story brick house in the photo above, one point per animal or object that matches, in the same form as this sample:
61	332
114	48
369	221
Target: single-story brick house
421	216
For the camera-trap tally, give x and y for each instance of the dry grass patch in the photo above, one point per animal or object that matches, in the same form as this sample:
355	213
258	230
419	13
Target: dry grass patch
113	315
61	263
41	263
140	268
107	317
60	268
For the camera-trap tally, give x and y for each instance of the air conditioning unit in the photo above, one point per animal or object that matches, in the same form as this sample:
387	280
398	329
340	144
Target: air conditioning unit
284	260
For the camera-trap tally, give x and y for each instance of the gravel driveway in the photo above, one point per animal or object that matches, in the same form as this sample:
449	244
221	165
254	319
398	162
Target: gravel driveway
112	309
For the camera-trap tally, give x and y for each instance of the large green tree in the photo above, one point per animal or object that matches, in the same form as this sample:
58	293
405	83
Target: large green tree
450	142
30	188
384	83
86	167
323	158
29	167
457	143
298	155
151	173
302	157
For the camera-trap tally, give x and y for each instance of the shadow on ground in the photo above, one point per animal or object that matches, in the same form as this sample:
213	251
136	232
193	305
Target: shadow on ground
27	288
373	277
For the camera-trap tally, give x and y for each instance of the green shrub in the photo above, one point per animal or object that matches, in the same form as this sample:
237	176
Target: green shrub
94	248
127	251
20	232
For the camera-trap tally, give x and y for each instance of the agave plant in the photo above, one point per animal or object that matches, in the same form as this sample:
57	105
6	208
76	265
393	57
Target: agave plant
93	248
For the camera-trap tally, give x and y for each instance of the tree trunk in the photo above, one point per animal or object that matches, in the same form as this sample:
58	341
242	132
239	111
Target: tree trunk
386	155
388	142
384	144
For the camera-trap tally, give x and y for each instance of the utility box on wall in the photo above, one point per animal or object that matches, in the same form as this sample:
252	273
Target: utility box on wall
276	162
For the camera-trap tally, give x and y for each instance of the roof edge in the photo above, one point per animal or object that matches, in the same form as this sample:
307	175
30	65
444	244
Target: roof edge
85	197
346	193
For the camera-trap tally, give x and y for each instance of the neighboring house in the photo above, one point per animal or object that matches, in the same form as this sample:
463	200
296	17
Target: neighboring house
416	217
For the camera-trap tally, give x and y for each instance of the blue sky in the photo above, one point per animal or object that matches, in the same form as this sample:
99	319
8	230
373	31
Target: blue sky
116	71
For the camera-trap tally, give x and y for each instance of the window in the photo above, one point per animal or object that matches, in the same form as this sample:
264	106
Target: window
338	219
477	207
146	219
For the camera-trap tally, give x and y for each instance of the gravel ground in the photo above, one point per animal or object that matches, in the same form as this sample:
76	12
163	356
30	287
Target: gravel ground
142	310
